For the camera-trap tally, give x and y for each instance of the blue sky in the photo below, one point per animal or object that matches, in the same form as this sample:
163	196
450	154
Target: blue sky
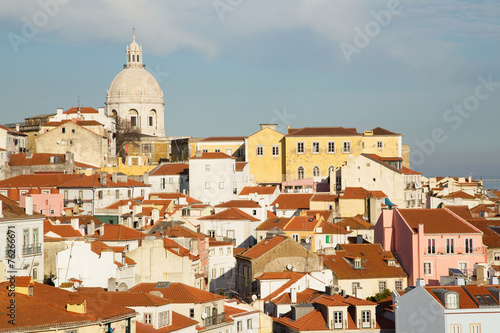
227	65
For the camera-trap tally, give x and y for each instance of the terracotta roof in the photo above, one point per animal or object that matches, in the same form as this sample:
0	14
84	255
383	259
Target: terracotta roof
292	279
78	122
82	219
238	250
436	221
35	159
461	210
382	131
382	160
82	109
24	281
63	230
313	321
12	210
459	194
119	203
230	214
293	201
98	246
465	295
355	193
324	197
260	190
374	262
180	231
115	232
239	204
178	323
42	180
94	181
306	296
302	223
274	222
270	214
239	166
329	228
480	208
491	239
170	169
179	293
167	195
10	130
262	247
128	298
355	222
323	131
85	165
224	138
210	156
213	242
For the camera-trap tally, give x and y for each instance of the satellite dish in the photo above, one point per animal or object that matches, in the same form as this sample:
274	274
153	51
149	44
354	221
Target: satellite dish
203	316
254	297
289	267
63	213
277	205
58	141
130	203
307	240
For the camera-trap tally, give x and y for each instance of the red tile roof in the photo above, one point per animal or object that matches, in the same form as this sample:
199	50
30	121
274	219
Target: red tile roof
167	195
78	122
436	221
115	232
239	204
260	190
180	231
12	210
382	131
374	262
355	222
323	131
263	247
178	322
382	160
239	166
63	230
230	214
85	109
459	194
293	201
480	208
491	239
210	156
42	180
461	210
35	159
329	228
273	222
324	197
356	193
224	138
465	294
119	203
94	181
293	278
213	243
180	293
170	169
313	321
128	298
82	219
302	223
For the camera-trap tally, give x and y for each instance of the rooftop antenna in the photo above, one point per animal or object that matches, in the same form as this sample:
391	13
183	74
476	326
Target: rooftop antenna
133	33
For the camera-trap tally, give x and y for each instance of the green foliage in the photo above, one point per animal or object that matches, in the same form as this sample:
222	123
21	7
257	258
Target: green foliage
379	296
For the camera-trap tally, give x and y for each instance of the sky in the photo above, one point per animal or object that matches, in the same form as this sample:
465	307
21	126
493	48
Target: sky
426	69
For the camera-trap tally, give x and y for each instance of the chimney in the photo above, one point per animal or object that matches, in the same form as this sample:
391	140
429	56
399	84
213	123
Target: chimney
75	222
60	111
420	282
28	205
198	153
1	209
114	177
101	110
146	195
104	178
348	228
91	228
359	239
18	128
293	295
145	178
111	284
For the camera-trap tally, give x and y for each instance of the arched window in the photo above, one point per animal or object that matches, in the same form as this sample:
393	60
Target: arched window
300	172
114	114
152	118
330	169
316	172
133	58
133	116
137	58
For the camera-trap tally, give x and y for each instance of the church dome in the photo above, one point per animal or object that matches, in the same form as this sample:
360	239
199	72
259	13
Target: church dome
135	84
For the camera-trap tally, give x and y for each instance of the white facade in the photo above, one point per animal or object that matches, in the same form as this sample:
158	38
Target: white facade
25	237
78	261
265	200
12	141
136	96
241	231
221	263
247	321
214	179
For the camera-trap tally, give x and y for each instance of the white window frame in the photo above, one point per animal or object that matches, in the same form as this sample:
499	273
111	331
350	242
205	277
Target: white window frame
450	245
221	185
275	150
469	246
331	147
366	318
318	174
300	147
346	147
431	246
260	150
427	268
380	145
295	237
315	147
207	185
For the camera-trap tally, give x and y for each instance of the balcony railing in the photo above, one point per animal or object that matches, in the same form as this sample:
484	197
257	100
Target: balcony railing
32	249
214	320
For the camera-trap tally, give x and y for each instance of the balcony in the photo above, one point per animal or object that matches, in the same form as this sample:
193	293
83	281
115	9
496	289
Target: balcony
32	249
214	320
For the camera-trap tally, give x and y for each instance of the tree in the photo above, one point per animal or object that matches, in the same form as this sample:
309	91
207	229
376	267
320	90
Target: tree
125	134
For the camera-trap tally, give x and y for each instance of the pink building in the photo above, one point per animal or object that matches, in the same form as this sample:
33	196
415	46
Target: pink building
427	242
49	204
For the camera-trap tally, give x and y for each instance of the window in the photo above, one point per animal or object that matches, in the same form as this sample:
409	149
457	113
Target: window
365	319
337	319
163	318
80	194
260	150
398	285
117	194
475	328
221	185
327	239
496	256
315	148
382	285
211	233
450	248
207	167
427	268
133	121
163	183
300	147
455	328
52	212
316	172
295	237
357	263
249	324
64	130
355	286
300	172
170	180
230	234
331	147
217	150
346	147
207	185
191	313
214	273
45	191
463	267
150	121
239	326
147	318
35	273
204	150
229	151
99	195
379	144
431	246
468	245
275	150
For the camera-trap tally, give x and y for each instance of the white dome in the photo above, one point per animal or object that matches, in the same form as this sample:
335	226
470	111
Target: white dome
135	84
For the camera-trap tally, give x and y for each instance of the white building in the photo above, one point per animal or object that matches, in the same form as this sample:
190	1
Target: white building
216	177
448	309
169	177
135	95
95	264
265	195
12	140
221	264
21	238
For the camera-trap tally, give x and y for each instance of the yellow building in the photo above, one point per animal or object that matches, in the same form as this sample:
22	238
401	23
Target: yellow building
264	153
315	151
148	151
230	145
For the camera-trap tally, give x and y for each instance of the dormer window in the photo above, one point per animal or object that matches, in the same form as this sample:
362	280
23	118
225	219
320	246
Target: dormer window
357	263
451	301
391	262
